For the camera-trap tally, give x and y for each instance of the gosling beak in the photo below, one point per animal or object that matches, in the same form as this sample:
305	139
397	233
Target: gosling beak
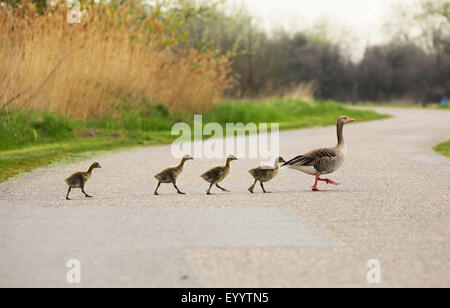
99	166
351	120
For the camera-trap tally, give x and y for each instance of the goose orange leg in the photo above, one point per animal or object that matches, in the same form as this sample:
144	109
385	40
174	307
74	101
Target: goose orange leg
329	181
315	184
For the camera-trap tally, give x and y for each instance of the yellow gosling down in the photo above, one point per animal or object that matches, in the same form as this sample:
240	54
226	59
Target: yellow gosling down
79	180
264	174
218	174
170	175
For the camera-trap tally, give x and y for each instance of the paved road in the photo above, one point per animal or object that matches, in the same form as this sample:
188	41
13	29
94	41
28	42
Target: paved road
393	206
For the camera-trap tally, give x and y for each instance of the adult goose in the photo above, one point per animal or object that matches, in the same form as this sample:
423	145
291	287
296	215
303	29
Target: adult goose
323	161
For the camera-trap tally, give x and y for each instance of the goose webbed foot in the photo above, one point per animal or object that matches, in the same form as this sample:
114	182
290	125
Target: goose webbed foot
316	189
156	190
68	192
221	188
85	194
178	191
251	189
264	190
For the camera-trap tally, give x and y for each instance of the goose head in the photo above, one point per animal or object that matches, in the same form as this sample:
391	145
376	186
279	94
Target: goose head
345	120
231	157
187	157
281	160
95	165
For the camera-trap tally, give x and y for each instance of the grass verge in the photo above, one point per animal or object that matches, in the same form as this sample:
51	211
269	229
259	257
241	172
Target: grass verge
35	139
443	148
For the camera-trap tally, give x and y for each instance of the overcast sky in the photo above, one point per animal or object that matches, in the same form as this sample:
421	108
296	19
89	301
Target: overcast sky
362	19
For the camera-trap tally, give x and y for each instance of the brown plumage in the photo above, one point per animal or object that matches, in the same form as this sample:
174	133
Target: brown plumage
79	180
170	175
265	174
323	161
216	175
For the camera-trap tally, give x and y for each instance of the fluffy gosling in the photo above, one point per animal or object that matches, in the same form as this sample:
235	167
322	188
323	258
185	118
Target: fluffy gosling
265	174
170	175
218	174
79	180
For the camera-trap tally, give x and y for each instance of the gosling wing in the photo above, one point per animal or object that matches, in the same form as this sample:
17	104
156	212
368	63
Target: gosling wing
260	172
75	179
214	174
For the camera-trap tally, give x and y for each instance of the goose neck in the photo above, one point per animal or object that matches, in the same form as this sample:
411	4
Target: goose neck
340	134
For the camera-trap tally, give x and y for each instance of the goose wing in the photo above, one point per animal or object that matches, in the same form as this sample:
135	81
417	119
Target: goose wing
75	179
214	174
260	172
315	158
167	175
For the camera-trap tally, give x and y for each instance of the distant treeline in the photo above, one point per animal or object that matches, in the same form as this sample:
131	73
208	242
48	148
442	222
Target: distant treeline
393	71
410	67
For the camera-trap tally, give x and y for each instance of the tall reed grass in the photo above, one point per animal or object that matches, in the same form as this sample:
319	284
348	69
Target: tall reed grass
115	55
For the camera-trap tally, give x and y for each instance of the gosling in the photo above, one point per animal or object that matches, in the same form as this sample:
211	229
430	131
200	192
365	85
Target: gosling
217	175
79	180
265	174
170	175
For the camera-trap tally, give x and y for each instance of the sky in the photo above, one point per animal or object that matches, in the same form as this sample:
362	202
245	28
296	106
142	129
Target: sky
362	20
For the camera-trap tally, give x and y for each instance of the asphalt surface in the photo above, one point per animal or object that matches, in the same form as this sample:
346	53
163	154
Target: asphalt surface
393	206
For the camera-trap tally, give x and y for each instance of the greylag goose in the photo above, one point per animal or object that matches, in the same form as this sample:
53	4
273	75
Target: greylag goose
170	175
216	175
265	174
79	180
323	161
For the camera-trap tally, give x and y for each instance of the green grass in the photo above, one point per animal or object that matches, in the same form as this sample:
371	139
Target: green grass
290	113
443	148
405	106
32	139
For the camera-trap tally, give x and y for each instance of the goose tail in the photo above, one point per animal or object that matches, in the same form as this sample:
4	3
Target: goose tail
292	162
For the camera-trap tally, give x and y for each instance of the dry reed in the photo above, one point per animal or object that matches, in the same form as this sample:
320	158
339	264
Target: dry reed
84	69
304	91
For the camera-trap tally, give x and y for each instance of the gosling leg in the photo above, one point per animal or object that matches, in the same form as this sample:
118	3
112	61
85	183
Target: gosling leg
179	192
157	187
68	192
209	189
85	194
252	187
221	188
262	186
